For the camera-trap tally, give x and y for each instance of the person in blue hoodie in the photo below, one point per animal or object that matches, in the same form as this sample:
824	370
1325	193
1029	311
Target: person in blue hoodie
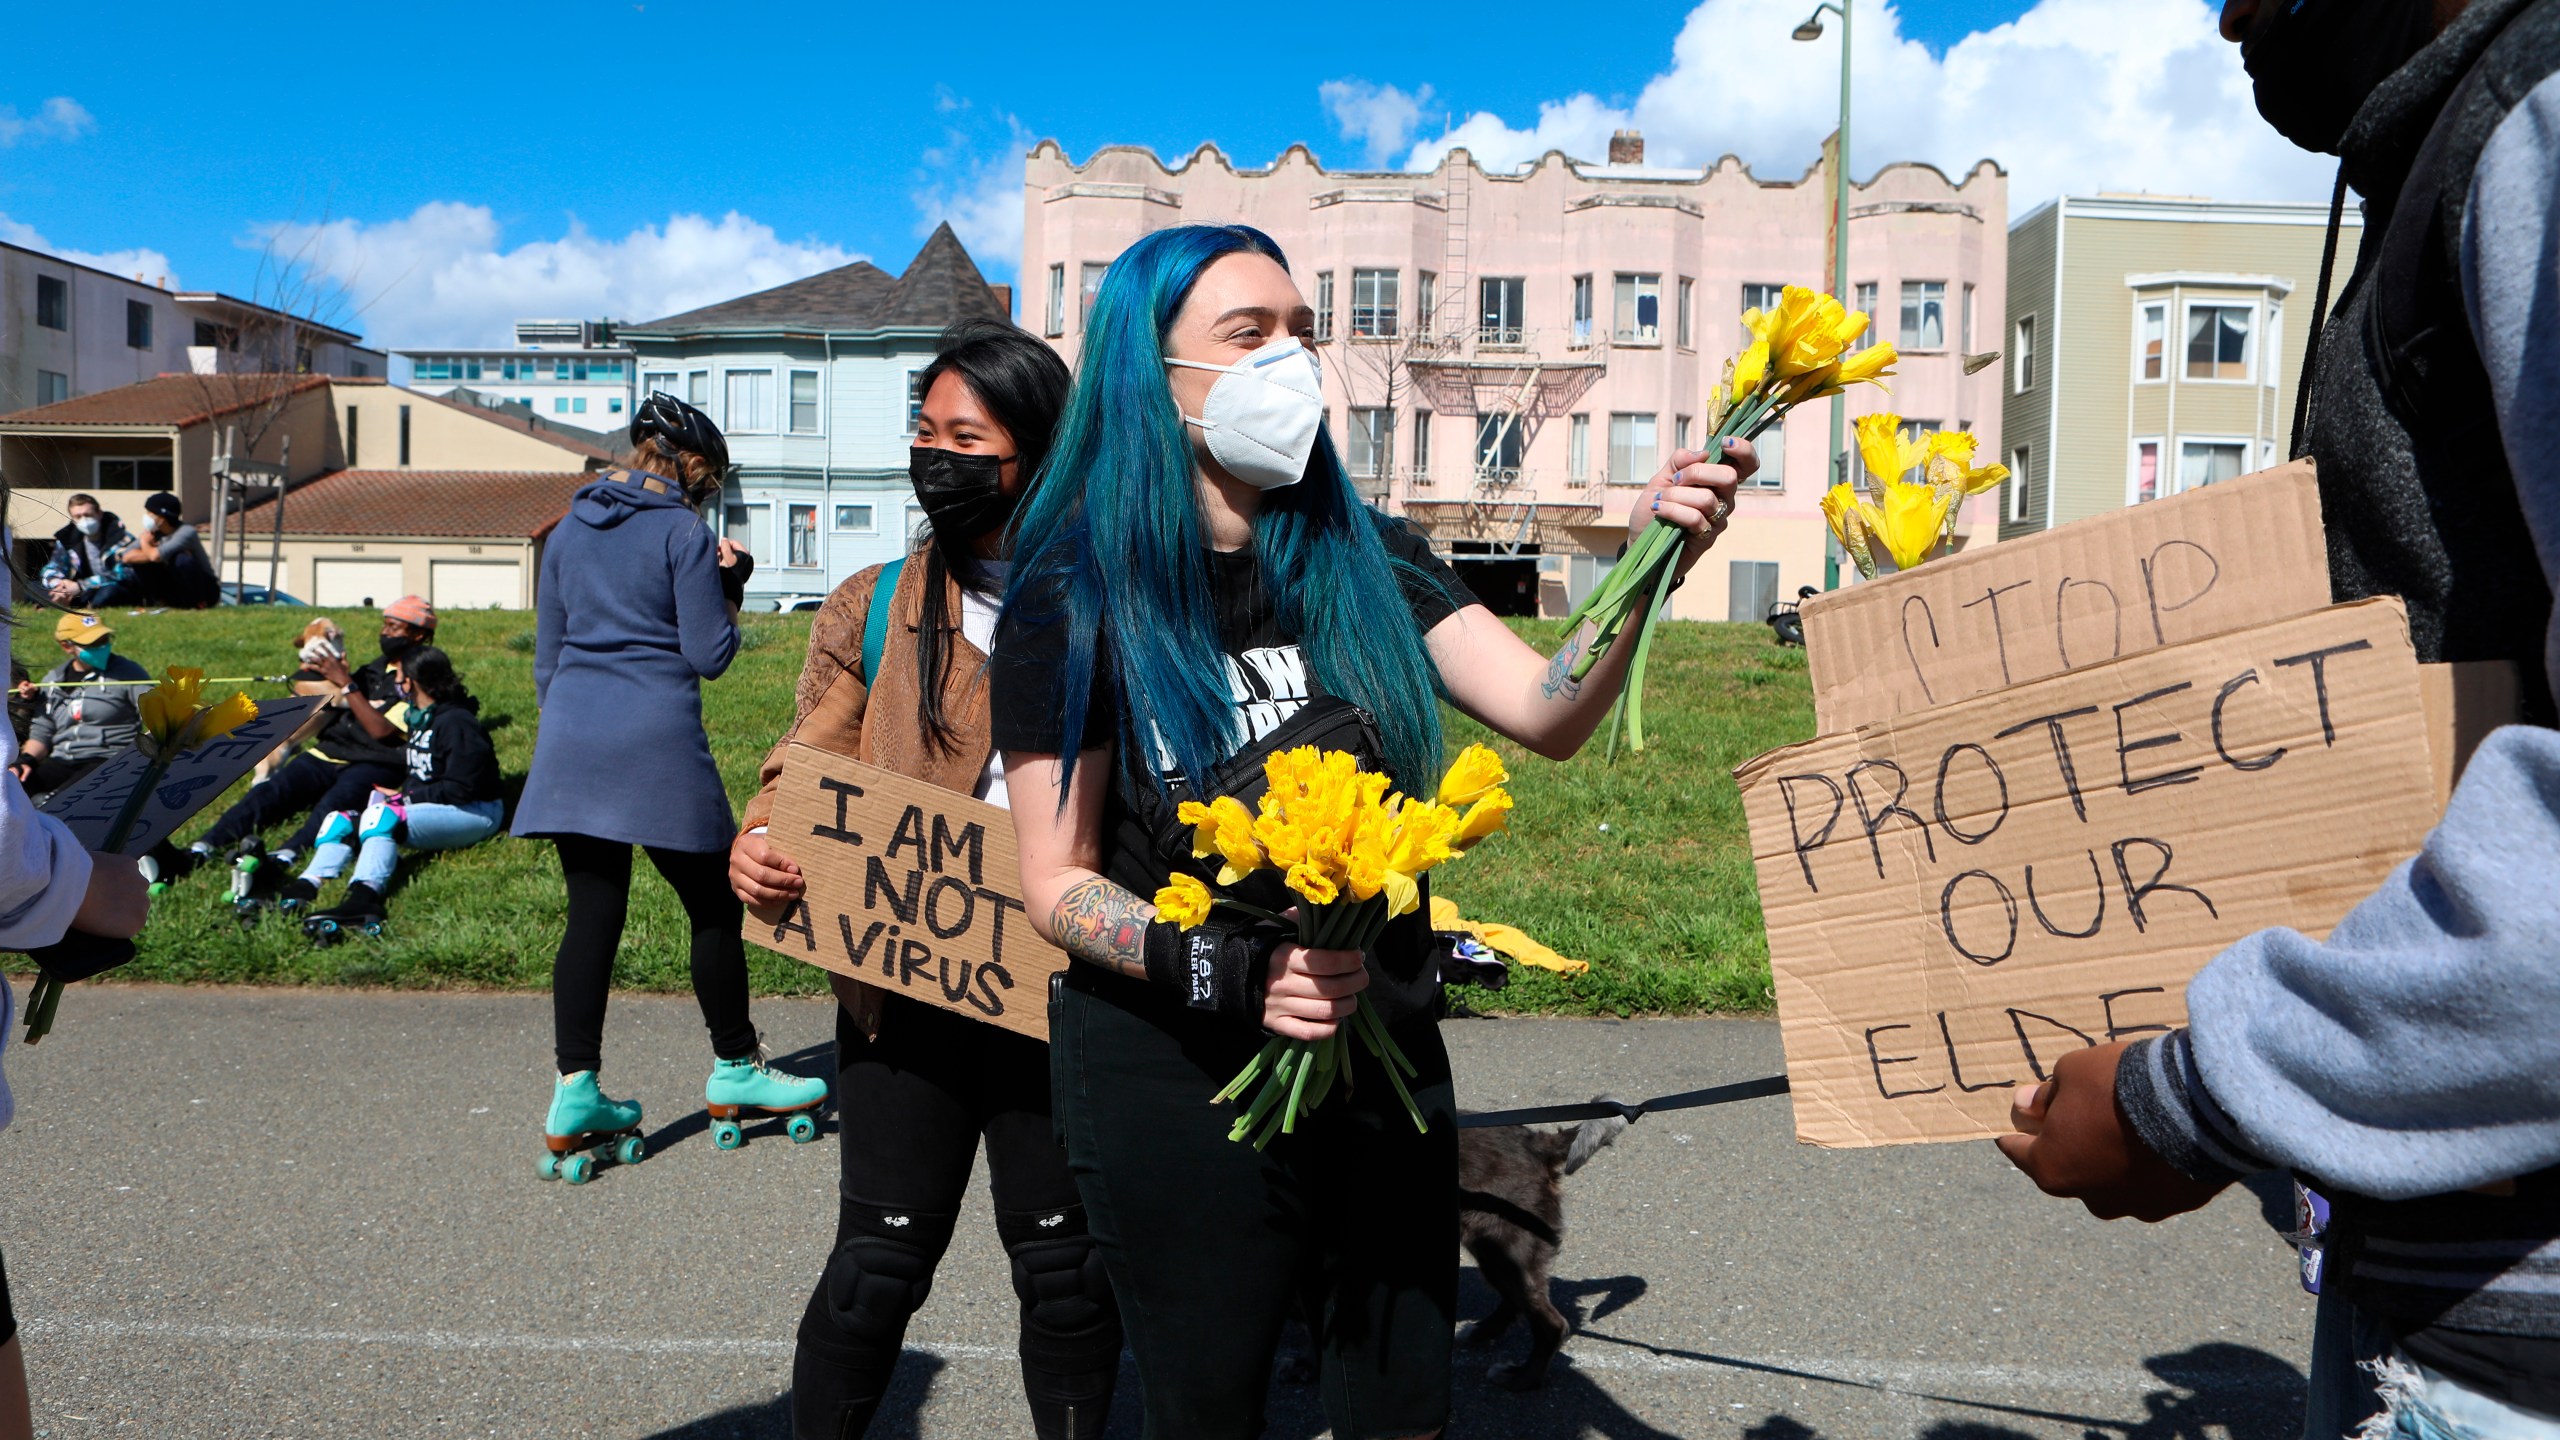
640	606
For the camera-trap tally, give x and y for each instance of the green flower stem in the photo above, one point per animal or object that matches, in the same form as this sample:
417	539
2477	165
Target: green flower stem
1633	693
1252	1071
1272	1091
1298	1088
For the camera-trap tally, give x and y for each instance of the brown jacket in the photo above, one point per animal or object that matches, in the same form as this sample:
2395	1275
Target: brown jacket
835	709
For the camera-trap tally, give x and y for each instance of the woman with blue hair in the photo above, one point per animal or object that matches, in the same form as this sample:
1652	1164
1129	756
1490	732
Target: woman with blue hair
1195	585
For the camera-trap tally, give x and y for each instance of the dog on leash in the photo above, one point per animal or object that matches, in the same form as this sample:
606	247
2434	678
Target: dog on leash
1511	1219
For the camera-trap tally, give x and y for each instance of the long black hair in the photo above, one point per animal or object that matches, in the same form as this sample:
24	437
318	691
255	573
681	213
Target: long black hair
431	670
1023	385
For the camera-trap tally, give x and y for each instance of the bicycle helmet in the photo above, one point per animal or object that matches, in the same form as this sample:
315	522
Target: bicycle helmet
665	418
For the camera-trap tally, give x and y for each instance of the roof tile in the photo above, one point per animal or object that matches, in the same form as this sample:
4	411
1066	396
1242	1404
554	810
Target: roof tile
180	400
444	504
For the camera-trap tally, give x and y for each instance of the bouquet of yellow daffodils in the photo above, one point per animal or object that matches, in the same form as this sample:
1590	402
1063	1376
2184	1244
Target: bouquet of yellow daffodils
173	722
1353	853
1799	351
1909	517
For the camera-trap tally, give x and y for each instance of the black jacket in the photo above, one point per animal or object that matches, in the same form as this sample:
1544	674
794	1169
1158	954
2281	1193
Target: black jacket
451	761
343	740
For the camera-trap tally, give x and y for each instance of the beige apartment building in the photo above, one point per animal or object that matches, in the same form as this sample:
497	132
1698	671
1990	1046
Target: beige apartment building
2154	345
1509	356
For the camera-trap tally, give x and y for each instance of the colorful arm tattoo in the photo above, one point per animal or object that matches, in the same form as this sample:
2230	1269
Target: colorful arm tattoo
1103	923
1560	683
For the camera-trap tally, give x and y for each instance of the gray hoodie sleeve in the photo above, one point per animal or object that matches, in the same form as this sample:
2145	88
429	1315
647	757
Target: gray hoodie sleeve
2417	1050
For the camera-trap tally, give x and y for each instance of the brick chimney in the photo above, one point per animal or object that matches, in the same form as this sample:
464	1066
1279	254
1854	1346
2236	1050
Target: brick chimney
1626	147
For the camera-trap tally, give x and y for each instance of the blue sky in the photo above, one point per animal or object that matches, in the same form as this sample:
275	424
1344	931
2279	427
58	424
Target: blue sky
556	144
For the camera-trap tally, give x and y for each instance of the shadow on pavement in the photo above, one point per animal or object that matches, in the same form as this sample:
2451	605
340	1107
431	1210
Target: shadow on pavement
771	1420
2213	1390
813	1060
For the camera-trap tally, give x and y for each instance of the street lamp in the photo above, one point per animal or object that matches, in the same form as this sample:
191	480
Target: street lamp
1811	29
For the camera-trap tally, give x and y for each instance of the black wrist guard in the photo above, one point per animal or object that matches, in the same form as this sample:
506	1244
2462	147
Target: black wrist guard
1214	966
734	576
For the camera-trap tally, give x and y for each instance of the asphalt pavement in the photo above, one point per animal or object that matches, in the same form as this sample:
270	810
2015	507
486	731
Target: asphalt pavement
232	1212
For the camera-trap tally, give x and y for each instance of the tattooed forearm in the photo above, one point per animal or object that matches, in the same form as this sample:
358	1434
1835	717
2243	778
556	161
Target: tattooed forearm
1105	924
1560	683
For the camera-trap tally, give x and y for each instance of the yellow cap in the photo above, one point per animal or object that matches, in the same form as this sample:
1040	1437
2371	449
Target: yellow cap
81	626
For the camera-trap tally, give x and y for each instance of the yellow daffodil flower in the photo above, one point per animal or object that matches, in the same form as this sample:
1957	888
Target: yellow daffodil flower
1476	770
1403	892
1881	444
1950	464
173	719
1285	844
1750	368
1183	900
1853	518
1490	815
1912	516
1865	367
1312	882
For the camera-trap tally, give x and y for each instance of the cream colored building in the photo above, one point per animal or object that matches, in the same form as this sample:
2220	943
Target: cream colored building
2153	345
1509	356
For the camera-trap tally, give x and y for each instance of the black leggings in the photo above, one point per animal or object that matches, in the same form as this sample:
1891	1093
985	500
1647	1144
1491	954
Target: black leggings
599	877
913	1106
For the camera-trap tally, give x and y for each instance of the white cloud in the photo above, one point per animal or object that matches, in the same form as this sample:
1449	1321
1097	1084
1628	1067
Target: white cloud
2074	95
1381	117
60	118
974	180
149	265
442	276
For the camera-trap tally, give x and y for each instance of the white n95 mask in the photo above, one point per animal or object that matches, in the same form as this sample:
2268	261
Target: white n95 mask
1262	415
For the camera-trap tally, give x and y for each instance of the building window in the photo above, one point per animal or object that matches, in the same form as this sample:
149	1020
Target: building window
138	472
1088	286
1057	324
613	404
804	402
801	521
359	369
302	362
1373	303
52	387
2021	479
1421	447
1577	447
578	405
1373	442
404	436
915	400
559	404
697	389
2218	342
1639	310
53	302
2022	358
1504	301
1324	306
1632	440
1865	304
744	525
750	407
1967	346
915	522
657	382
2151	341
1498	447
2209	462
1772	474
1762	298
1924	314
1426	301
353	451
1751	590
1679	432
2144	483
1583	574
856	518
1581	310
1688	287
216	337
137	325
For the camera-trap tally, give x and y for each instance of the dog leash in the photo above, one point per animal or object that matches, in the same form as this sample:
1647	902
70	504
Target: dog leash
1600	1109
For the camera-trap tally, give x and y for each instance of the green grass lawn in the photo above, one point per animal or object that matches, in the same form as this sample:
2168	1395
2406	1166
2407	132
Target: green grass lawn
1639	866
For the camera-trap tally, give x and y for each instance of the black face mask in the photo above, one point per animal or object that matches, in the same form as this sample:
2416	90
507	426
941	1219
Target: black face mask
394	647
963	495
2320	60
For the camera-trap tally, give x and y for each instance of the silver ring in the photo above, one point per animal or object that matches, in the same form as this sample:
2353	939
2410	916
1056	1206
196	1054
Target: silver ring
1723	509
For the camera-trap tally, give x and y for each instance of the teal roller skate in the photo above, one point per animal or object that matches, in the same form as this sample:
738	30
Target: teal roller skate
749	1086
583	1125
361	913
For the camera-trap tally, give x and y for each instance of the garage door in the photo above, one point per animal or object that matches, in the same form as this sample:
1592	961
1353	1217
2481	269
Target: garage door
347	582
475	584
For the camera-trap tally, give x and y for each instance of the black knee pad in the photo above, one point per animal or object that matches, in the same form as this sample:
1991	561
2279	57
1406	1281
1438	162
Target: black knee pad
1070	1321
882	1270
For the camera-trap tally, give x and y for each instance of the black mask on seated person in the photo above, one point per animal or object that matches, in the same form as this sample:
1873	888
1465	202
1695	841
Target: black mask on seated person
397	647
2318	62
962	494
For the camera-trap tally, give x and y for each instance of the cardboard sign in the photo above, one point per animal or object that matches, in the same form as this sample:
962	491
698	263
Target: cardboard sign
195	780
1956	898
2213	559
912	888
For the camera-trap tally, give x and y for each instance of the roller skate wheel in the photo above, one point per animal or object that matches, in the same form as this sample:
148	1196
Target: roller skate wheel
578	1169
727	1134
802	1129
158	888
548	1167
631	1150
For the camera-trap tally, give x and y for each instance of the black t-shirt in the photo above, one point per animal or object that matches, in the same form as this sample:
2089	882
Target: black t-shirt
1267	675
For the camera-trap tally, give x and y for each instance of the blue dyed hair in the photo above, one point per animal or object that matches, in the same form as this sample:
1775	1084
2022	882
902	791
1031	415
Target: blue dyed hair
1111	544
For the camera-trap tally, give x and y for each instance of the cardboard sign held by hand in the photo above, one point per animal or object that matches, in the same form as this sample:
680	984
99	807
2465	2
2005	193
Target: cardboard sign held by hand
89	806
912	888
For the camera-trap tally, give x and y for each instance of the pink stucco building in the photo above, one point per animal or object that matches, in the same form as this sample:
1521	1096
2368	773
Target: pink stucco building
1509	356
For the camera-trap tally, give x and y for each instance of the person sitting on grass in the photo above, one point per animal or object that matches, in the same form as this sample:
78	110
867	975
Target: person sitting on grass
88	707
449	799
167	561
87	565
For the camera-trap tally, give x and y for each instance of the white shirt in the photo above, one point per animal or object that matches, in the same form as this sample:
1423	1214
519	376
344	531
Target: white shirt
978	627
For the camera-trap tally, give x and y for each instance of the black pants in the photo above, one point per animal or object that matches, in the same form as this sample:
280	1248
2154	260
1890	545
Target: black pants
305	785
913	1106
1351	1223
51	772
599	877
